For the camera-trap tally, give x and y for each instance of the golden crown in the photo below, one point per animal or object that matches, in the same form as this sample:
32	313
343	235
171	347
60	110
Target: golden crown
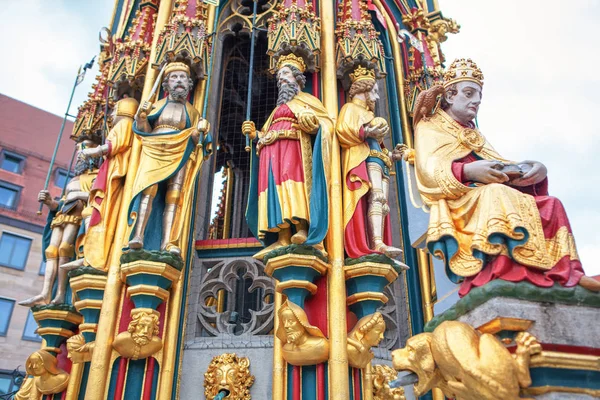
361	74
463	70
176	66
291	60
127	107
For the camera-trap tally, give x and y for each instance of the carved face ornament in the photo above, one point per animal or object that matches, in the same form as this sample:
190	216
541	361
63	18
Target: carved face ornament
144	330
292	326
464	105
37	365
375	335
178	84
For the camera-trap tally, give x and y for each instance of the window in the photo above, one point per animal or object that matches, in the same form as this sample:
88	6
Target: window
30	327
14	250
10	381
12	162
6	309
9	195
42	268
61	177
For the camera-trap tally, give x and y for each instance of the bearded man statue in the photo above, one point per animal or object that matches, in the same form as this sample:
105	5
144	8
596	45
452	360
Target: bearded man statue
288	198
169	162
490	218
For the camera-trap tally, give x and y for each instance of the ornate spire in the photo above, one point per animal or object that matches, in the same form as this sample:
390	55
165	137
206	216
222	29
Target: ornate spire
294	28
130	59
358	42
184	38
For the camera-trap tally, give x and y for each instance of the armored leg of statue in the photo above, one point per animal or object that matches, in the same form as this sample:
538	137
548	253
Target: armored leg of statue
142	220
171	201
377	211
50	274
80	262
66	251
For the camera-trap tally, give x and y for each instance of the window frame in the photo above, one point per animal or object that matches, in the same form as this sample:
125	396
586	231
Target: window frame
36	338
16	188
42	270
58	172
21	161
12	309
28	250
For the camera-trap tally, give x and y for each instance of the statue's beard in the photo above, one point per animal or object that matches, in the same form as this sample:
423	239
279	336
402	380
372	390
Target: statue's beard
287	91
140	340
371	104
293	337
82	165
179	93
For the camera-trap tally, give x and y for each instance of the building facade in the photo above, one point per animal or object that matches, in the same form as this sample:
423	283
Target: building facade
27	138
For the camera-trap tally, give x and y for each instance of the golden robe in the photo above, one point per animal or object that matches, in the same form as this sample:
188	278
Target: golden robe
477	221
162	156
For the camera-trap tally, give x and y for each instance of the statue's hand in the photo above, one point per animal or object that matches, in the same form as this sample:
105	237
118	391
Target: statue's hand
143	111
485	171
45	198
377	129
537	174
94	152
308	121
249	129
203	125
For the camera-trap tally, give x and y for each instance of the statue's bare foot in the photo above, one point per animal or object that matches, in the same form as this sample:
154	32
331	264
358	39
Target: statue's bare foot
73	264
58	299
321	248
401	265
174	250
136	243
38	300
261	254
390	251
589	283
300	236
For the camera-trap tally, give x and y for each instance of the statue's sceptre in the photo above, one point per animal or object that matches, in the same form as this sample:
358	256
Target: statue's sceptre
251	71
146	105
78	80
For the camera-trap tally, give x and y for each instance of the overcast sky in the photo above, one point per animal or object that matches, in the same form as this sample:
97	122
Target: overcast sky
540	60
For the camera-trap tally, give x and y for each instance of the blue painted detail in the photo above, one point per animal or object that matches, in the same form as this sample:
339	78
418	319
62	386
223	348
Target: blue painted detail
350	383
297	295
326	380
568	378
294	272
90	294
90	315
360	382
146	301
117	18
113	379
129	22
366	307
290	381
309	382
274	213
145	278
89	336
366	283
155	380
318	202
135	379
84	380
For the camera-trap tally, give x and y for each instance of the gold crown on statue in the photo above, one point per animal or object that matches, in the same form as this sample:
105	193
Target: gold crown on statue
176	66
361	74
463	70
127	107
291	60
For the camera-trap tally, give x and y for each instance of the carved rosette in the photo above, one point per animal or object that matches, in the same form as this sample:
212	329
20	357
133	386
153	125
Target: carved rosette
357	40
294	28
131	55
382	375
230	375
184	38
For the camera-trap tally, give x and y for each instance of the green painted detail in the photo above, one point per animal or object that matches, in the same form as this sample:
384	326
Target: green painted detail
374	258
160	256
523	291
55	307
86	270
295	249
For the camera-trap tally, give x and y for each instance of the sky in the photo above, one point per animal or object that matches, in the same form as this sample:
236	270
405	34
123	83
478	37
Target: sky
539	58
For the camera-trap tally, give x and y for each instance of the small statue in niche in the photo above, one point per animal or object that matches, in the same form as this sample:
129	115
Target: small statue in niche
48	378
303	344
78	350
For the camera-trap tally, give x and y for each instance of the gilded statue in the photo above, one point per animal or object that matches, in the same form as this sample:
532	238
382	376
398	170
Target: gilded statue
288	199
231	374
48	378
303	344
382	375
105	195
28	391
490	218
64	220
141	338
367	333
465	364
78	351
366	170
171	157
